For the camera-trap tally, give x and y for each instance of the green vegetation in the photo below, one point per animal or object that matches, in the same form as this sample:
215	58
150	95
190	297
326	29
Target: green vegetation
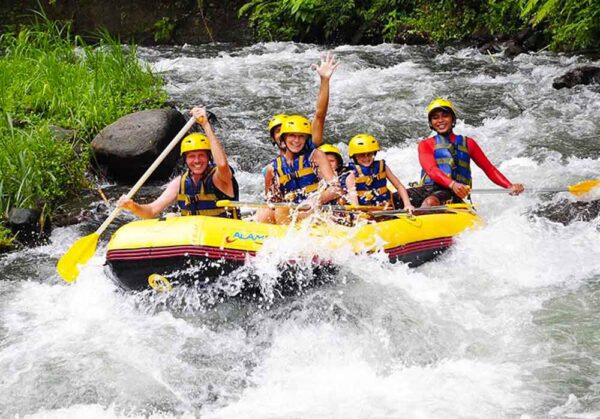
6	239
569	24
163	30
50	78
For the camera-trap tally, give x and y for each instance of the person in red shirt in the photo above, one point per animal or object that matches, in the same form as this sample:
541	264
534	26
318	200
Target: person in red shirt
445	161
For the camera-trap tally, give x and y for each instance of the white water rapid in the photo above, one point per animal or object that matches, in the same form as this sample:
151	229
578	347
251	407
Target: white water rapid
506	324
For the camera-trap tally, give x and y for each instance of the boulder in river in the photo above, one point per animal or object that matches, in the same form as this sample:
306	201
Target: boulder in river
587	74
127	147
566	212
28	226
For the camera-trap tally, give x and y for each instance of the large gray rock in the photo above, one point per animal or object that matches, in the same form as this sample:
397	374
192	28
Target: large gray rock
587	74
127	147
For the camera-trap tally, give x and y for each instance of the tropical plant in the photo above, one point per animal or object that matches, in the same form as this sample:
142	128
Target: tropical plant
571	24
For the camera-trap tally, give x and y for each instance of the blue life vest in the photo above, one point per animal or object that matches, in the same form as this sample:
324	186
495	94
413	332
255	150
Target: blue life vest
452	159
201	198
298	180
309	147
371	183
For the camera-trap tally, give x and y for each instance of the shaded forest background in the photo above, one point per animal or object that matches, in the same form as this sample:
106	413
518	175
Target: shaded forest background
561	25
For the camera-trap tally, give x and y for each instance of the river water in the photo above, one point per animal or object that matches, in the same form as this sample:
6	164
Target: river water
505	324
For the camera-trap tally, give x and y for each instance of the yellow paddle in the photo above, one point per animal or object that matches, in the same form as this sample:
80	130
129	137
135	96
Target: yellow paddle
578	189
84	248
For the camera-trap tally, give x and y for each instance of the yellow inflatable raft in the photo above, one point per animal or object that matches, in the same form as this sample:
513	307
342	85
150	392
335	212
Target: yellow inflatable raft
216	246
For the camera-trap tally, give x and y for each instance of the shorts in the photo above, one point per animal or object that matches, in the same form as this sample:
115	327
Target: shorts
418	194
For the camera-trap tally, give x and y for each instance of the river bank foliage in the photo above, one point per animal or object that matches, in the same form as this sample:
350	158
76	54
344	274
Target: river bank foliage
567	24
56	93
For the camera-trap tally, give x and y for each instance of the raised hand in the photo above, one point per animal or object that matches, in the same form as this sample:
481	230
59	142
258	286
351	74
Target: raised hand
327	66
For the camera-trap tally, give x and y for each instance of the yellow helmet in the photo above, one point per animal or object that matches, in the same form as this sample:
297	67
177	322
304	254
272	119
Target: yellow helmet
440	103
331	149
362	143
296	124
275	121
195	141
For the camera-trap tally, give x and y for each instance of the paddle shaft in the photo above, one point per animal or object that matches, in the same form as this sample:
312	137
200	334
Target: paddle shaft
536	190
148	173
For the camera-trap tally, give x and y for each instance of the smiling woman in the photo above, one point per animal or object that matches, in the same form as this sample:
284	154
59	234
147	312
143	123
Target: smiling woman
299	169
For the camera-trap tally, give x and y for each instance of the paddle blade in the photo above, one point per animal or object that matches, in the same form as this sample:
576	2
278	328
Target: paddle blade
81	251
584	187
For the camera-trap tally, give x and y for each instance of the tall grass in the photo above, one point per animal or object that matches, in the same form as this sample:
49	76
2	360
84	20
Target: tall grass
48	77
37	170
48	74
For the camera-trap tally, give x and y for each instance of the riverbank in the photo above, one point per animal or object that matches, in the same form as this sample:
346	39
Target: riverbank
56	93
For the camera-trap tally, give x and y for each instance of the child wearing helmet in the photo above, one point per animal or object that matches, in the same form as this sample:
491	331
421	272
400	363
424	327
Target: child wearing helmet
208	178
334	156
445	160
371	176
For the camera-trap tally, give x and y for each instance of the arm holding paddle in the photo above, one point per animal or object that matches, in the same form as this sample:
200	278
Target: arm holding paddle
490	170
154	208
430	166
223	177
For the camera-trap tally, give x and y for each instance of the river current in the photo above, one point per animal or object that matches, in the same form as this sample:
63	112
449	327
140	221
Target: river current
505	324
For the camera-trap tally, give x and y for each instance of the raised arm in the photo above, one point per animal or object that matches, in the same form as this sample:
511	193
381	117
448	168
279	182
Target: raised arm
325	71
223	176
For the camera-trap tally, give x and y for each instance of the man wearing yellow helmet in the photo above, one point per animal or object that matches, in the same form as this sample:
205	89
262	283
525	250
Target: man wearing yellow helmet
445	160
208	179
370	176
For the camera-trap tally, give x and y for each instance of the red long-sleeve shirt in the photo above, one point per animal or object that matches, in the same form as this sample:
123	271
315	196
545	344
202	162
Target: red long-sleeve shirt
428	163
